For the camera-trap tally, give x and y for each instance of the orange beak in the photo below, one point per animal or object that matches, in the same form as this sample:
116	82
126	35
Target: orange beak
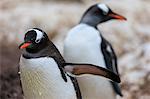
117	16
24	45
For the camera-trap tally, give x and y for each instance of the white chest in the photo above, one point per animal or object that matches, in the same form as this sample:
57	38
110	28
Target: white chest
82	45
41	79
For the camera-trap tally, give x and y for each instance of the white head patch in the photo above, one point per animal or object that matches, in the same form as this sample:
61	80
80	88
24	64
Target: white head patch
103	7
39	35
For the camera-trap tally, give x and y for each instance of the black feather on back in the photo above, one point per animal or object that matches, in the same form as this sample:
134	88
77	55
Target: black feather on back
111	62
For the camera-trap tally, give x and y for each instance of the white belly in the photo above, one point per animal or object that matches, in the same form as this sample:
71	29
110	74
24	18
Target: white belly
41	79
84	47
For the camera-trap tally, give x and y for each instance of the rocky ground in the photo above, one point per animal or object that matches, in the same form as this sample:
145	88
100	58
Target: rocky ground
130	39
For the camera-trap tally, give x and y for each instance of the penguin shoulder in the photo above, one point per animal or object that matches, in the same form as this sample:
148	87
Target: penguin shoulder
82	31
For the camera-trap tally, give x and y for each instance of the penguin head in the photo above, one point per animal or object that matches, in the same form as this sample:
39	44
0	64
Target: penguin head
35	40
99	13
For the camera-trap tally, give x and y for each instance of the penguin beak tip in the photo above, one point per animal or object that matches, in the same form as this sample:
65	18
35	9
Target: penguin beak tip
24	45
118	17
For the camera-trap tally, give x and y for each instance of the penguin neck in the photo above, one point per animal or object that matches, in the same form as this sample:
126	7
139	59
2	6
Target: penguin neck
33	53
91	20
37	48
48	50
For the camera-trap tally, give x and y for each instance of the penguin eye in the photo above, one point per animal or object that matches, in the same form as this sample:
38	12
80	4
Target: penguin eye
37	41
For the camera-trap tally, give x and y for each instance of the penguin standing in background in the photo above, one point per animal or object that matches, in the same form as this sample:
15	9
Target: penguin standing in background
42	71
85	44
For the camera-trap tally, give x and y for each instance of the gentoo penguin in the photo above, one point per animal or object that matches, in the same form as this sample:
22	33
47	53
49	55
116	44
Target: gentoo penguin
42	71
85	44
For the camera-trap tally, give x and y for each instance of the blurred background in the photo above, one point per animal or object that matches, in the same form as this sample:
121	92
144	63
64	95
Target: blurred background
130	39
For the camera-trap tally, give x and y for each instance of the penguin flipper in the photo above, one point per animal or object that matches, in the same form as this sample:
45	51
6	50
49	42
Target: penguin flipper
117	88
80	69
111	62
